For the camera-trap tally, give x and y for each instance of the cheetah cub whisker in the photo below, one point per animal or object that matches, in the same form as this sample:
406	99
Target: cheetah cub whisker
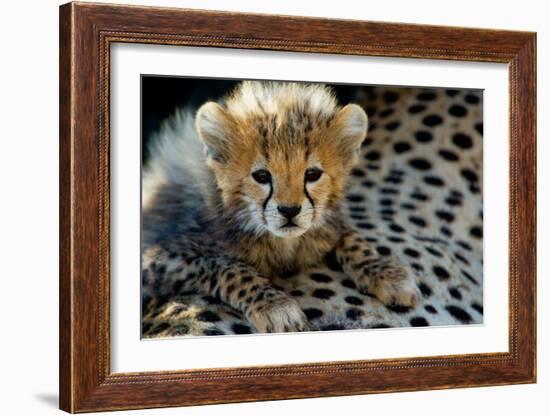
251	187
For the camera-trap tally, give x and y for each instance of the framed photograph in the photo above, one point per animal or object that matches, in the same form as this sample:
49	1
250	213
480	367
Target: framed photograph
259	207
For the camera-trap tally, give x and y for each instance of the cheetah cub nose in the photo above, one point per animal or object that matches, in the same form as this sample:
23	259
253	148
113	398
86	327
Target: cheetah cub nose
289	211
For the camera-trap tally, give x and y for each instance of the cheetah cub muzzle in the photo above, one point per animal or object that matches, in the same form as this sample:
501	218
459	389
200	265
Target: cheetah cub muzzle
251	187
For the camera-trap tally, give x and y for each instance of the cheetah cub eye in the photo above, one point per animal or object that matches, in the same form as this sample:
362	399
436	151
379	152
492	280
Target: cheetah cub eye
313	174
262	176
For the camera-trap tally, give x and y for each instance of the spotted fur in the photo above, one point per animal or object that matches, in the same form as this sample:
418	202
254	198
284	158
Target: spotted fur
251	189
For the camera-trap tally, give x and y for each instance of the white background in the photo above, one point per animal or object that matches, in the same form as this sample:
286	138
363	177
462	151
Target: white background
29	228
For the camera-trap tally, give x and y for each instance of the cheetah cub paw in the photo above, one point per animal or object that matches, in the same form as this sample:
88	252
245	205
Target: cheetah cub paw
393	284
274	311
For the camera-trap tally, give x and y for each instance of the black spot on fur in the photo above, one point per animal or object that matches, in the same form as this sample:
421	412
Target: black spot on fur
366	142
312	313
451	92
471	99
425	289
448	155
366	225
348	283
296	293
461	258
320	277
353	300
240	329
476	232
444	215
355	198
388	191
459	313
383	250
462	141
479	128
145	327
399	309
423	136
418	221
323	293
373	155
358	173
455	293
458	111
159	270
415	109
413	253
397	228
434	252
430	309
420	164
380	326
419	196
390	97
469	277
386	113
208	315
395	239
441	272
426	96
464	245
478	308
434	181
161	301
208	298
392	125
393	179
177	286
451	201
469	175
401	147
432	120
419	322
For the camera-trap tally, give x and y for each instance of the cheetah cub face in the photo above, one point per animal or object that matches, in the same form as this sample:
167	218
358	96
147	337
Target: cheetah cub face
281	154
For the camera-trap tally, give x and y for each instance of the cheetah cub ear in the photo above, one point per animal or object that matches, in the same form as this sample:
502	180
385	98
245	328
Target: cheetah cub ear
213	125
349	128
347	132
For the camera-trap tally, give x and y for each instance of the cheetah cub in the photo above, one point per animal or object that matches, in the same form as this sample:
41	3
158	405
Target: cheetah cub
251	187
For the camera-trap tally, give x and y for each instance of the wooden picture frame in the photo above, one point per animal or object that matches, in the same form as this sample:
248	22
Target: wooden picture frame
86	33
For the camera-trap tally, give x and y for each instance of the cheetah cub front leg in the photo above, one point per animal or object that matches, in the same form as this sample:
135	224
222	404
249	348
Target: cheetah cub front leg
267	308
391	282
235	283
